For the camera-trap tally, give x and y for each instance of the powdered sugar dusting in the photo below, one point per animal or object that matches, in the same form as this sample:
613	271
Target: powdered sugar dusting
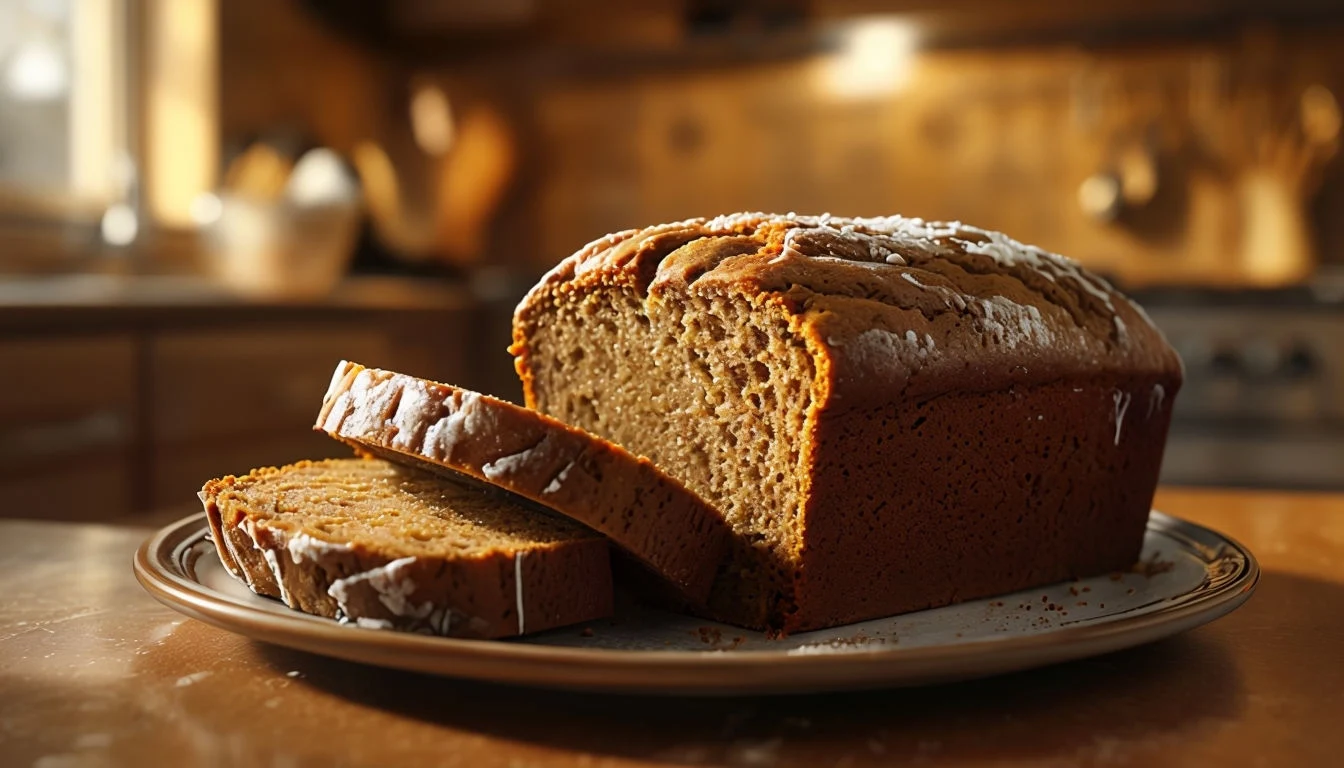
888	238
364	405
885	241
413	409
1010	324
879	351
922	345
466	419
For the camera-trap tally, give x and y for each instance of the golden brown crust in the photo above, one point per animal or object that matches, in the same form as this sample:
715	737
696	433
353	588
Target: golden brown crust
439	427
859	288
911	323
376	585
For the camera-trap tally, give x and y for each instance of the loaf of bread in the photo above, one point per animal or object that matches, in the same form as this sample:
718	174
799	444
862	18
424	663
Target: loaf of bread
385	546
891	414
445	429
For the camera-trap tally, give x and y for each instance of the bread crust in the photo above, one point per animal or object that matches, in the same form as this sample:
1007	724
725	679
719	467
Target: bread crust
920	323
586	478
499	594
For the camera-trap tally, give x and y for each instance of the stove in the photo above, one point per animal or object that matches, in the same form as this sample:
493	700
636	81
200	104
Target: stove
1263	399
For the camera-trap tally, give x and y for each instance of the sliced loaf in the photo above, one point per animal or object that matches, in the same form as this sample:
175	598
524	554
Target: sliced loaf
387	546
443	428
892	414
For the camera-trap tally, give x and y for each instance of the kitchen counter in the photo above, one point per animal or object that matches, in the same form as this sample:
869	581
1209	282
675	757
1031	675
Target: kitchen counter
95	672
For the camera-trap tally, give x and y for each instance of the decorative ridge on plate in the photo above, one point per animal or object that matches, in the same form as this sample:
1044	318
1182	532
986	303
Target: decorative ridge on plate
657	652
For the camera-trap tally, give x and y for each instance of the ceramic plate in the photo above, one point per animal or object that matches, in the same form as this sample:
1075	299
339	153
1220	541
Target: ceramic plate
1189	575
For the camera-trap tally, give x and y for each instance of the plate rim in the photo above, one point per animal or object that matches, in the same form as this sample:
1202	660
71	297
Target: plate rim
166	583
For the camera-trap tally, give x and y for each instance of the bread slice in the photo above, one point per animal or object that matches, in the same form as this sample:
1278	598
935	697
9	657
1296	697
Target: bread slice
603	486
892	414
387	546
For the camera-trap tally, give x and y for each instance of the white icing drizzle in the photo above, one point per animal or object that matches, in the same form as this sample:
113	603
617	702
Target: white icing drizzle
518	587
951	298
909	278
342	368
301	546
1121	405
1155	399
789	249
250	528
559	479
274	562
441	620
511	464
390	583
394	589
233	551
368	623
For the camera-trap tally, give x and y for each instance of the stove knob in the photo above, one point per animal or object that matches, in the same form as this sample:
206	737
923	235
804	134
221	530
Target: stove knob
1300	362
1261	358
1225	361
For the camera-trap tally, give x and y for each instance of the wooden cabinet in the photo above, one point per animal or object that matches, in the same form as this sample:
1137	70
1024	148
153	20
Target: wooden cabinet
226	400
68	425
223	384
119	412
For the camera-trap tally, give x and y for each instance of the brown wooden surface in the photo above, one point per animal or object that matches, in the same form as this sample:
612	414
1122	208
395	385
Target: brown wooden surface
123	394
94	672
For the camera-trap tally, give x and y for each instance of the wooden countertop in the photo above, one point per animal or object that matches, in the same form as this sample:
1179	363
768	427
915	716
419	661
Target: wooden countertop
94	672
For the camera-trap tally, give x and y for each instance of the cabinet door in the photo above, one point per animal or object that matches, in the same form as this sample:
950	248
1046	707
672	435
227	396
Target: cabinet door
68	424
228	384
225	401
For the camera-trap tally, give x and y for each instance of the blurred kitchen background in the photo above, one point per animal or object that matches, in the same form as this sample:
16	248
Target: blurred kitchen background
204	204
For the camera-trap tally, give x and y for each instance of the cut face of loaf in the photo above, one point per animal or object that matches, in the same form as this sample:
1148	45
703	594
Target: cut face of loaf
891	414
385	546
445	429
